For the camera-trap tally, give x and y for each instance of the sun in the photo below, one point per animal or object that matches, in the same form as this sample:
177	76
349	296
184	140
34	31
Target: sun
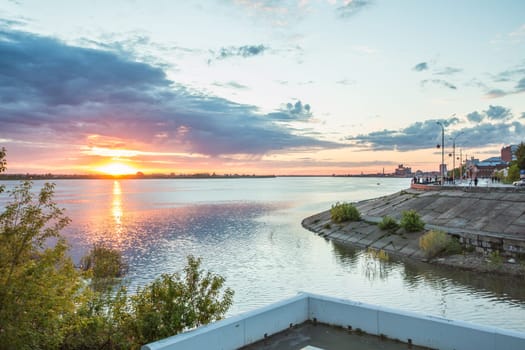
116	169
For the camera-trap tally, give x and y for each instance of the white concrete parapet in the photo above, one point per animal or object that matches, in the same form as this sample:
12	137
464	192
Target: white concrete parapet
240	330
429	331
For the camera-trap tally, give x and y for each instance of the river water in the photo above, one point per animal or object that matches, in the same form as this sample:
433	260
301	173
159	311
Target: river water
249	231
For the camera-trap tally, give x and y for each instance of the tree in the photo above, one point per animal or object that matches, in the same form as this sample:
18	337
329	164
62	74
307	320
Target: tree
38	281
174	303
513	174
520	156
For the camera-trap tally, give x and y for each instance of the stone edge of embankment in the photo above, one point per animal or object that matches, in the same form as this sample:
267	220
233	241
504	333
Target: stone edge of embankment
366	234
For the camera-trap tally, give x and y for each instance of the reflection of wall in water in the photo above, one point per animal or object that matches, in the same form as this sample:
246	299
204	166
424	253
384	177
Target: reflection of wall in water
505	287
363	261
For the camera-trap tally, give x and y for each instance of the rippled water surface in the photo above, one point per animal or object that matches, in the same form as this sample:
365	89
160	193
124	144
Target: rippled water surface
249	230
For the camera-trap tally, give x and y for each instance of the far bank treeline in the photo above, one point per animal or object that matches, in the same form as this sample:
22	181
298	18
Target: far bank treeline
138	176
48	303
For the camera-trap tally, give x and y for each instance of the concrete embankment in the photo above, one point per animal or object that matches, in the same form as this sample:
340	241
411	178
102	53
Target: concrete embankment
485	220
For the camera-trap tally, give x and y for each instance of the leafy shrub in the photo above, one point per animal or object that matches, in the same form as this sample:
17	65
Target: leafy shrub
411	221
177	302
388	223
495	259
453	247
435	242
104	265
344	212
171	304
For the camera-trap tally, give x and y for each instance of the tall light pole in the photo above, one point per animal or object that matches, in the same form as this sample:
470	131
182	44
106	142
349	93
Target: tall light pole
460	164
441	167
454	157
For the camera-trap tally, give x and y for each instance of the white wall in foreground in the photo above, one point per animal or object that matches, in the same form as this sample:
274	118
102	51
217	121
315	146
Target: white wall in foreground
433	332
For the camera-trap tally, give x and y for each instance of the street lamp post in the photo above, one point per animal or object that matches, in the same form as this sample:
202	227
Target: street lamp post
441	167
454	157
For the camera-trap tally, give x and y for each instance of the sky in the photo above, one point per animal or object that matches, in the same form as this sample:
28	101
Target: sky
258	87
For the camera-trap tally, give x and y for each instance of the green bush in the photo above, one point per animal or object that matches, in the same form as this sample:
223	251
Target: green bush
454	247
344	212
495	259
435	242
411	221
171	304
388	223
104	265
177	302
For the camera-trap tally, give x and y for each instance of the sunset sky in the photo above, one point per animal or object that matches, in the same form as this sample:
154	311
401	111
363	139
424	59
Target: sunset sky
263	86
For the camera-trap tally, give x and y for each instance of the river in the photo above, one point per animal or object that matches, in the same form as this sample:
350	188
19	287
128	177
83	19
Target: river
249	231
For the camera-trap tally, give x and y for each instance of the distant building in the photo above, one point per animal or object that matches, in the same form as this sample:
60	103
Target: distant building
509	153
443	169
487	167
403	171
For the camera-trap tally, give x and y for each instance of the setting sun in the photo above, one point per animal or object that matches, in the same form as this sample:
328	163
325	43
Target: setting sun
116	169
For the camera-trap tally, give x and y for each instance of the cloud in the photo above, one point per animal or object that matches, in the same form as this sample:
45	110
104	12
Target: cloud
495	93
413	137
279	12
293	112
448	71
231	84
515	74
72	95
240	51
518	34
421	67
440	82
521	85
345	82
510	74
475	117
498	112
492	113
352	7
522	115
425	134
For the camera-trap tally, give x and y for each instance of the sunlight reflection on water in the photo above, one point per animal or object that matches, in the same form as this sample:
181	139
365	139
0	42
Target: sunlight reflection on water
249	231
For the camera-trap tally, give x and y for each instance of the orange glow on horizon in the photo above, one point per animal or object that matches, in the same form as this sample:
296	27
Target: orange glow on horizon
116	169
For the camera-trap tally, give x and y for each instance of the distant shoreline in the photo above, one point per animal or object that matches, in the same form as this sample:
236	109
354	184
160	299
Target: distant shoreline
17	177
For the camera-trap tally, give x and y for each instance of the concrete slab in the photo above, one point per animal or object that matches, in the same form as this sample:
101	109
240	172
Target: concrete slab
382	242
355	237
498	223
520	220
457	222
321	336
